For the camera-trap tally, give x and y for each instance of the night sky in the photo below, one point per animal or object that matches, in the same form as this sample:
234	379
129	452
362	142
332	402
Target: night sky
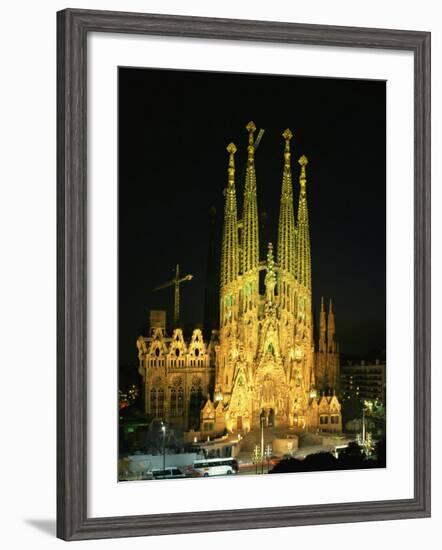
174	127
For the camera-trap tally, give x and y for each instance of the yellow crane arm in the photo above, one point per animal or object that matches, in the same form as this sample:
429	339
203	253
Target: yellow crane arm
164	285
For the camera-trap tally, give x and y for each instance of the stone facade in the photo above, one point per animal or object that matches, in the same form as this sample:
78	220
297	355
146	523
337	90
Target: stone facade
177	376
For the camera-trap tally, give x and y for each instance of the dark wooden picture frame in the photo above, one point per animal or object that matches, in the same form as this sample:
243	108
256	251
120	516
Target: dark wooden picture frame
73	27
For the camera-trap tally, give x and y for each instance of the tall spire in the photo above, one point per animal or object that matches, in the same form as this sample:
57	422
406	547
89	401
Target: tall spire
230	252
303	260
286	228
250	238
322	329
331	329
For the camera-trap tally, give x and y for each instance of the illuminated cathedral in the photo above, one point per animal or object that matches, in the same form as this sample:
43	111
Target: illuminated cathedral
261	364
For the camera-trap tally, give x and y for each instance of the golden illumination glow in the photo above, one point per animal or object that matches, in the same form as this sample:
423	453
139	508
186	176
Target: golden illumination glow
261	367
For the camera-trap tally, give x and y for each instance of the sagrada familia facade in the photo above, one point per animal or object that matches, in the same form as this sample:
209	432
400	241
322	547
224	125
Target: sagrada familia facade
260	365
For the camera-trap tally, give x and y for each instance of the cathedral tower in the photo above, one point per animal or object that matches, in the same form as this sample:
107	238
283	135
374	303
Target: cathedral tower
304	326
331	345
230	248
286	251
321	355
322	329
327	355
249	291
229	287
332	350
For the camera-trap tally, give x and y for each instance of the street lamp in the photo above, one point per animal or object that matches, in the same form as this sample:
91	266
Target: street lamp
256	457
163	429
268	454
367	406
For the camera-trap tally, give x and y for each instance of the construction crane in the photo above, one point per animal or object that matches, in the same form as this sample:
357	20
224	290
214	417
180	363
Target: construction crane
176	281
258	139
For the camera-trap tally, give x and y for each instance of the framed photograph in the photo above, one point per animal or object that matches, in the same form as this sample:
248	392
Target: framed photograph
243	274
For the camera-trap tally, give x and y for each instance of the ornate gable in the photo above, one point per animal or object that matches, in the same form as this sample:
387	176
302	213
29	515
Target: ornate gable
177	346
197	347
208	410
219	410
323	404
157	345
142	347
335	406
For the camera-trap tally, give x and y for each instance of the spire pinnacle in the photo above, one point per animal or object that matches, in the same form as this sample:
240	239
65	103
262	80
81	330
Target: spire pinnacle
330	307
303	260
322	303
303	161
231	149
287	135
251	128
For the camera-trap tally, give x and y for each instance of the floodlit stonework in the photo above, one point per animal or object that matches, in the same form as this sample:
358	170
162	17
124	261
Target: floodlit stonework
261	365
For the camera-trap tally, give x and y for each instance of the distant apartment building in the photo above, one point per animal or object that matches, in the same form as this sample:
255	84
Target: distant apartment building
365	380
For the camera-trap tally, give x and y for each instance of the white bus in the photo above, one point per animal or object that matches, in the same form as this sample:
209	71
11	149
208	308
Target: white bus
215	466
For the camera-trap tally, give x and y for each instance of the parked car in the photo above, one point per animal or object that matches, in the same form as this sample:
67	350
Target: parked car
171	472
